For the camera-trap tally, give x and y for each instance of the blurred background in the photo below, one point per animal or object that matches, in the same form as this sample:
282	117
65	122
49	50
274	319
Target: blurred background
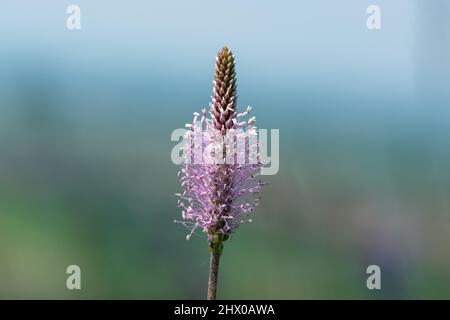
85	170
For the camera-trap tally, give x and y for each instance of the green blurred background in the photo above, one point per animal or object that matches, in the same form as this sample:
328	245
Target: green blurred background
85	170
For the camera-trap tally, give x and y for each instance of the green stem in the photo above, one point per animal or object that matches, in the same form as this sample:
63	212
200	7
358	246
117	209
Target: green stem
213	274
215	247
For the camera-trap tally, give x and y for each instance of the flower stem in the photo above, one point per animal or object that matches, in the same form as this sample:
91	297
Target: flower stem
216	252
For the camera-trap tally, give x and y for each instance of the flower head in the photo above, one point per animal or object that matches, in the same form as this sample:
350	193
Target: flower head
224	101
221	169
